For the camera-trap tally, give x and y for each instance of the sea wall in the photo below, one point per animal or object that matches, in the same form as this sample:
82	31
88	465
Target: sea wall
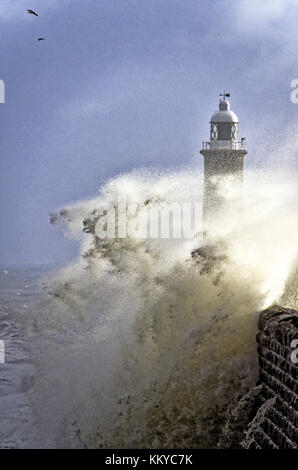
275	424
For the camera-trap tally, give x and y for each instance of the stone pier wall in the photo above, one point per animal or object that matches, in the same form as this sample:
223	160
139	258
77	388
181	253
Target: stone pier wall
275	424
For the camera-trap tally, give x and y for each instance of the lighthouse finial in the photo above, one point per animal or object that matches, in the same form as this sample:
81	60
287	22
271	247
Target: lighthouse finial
224	94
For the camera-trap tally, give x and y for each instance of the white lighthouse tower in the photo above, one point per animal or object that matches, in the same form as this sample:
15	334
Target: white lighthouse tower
223	156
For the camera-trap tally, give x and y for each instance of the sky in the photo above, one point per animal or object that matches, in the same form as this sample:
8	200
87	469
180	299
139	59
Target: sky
123	84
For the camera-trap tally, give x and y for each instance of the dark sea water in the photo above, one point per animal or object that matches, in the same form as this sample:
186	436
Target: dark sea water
20	293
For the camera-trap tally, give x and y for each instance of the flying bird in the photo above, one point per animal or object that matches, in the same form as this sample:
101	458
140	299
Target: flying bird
40	39
31	12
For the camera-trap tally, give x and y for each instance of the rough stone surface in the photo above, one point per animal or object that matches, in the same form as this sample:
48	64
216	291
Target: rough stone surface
275	424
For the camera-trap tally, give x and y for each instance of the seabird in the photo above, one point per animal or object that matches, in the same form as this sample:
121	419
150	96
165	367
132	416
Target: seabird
40	39
31	12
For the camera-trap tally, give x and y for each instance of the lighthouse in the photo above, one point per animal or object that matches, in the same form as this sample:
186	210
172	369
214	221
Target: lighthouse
223	158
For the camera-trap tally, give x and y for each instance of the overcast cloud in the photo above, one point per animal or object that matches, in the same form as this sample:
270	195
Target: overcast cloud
122	84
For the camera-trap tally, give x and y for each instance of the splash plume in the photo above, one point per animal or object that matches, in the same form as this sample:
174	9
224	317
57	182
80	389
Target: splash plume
162	342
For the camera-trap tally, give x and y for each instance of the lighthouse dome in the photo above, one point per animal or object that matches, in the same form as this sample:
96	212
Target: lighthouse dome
224	114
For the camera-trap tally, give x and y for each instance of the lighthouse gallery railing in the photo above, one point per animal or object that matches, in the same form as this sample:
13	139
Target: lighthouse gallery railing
223	145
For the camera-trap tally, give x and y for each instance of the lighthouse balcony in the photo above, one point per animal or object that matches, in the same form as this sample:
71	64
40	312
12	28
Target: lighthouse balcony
224	145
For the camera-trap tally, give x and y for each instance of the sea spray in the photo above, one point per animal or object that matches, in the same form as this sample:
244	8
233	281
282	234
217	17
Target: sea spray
148	345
